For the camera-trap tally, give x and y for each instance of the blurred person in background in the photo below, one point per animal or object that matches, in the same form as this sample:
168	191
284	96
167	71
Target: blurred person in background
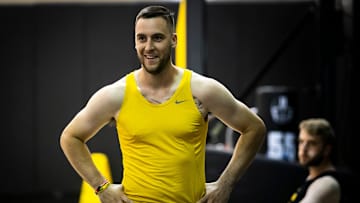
315	144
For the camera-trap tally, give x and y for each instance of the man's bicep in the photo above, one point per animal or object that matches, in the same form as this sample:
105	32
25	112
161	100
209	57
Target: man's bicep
82	126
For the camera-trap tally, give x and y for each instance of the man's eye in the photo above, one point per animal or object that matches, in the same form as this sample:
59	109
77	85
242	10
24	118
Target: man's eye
158	38
141	38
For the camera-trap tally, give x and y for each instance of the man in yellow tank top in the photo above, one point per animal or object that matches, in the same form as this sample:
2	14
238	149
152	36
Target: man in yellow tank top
161	114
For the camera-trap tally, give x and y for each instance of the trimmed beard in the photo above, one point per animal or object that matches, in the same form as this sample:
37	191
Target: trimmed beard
316	161
161	65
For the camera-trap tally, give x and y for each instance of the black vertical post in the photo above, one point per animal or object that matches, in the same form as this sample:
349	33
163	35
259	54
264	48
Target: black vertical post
354	99
195	35
328	46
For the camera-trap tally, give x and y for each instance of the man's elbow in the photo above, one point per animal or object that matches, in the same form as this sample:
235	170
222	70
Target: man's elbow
261	130
64	140
67	140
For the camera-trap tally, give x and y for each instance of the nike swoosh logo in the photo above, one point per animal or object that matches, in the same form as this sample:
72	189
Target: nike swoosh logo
179	101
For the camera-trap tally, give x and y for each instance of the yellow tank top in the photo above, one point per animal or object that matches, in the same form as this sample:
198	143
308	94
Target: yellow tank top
163	145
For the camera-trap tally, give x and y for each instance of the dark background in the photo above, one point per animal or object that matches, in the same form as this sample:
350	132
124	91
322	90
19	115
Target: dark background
53	57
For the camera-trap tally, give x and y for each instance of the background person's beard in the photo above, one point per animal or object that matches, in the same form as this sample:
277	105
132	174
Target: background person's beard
315	161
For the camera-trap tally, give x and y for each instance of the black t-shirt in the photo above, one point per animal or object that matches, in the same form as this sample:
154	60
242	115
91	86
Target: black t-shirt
299	194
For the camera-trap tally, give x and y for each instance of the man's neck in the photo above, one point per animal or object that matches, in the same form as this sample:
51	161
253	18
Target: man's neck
157	89
159	80
314	171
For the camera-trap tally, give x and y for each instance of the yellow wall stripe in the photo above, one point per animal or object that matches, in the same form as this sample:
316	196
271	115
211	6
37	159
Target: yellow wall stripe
180	50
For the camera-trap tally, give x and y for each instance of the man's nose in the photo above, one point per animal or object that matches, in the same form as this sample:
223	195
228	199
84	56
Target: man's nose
149	45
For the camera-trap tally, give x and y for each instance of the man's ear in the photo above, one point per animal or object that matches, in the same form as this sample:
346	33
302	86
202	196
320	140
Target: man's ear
174	40
328	149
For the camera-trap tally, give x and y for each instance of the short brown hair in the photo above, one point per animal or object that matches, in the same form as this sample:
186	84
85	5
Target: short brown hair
319	127
157	11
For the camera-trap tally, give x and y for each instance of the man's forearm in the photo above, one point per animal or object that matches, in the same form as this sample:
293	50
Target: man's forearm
80	159
244	152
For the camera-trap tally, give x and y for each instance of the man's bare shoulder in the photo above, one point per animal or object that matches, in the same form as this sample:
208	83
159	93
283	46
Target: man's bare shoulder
119	84
201	84
116	89
110	95
197	77
328	182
